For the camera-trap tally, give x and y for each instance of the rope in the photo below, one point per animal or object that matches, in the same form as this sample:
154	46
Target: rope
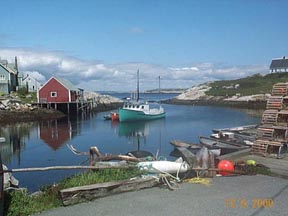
198	180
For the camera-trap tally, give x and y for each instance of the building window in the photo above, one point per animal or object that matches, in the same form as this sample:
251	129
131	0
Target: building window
53	94
2	77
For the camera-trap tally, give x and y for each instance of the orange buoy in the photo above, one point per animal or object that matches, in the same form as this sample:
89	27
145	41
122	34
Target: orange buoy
225	165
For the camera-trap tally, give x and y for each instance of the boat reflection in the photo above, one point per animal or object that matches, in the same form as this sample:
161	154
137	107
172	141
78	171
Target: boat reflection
134	129
139	131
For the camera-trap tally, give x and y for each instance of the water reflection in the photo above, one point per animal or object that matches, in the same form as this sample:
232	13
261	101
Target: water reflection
14	136
55	133
134	129
139	132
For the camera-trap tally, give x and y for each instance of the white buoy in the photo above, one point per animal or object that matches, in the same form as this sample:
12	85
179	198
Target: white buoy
163	166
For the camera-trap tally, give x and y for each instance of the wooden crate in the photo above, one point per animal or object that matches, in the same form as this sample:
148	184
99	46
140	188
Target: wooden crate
274	102
269	117
265	132
285	103
282	118
259	147
280	133
279	89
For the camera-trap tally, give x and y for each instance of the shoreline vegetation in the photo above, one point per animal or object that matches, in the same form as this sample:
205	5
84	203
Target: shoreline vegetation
20	202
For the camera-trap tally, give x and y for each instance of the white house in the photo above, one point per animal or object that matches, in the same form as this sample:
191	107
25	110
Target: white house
32	84
279	65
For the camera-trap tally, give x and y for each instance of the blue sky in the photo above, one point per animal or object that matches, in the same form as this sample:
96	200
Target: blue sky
100	44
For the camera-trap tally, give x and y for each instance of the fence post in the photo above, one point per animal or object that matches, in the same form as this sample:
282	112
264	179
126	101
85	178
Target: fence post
1	188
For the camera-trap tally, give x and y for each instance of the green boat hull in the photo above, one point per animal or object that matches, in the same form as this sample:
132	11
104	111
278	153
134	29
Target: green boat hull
134	115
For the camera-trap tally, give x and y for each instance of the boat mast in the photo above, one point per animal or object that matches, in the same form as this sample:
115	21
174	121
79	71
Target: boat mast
159	89
137	96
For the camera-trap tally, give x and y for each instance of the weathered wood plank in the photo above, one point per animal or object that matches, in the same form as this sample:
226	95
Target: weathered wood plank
187	155
99	165
75	195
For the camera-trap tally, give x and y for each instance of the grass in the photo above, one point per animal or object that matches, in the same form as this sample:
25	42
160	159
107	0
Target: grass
256	84
25	96
20	202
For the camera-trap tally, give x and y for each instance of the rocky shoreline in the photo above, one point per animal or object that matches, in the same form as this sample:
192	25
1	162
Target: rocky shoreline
13	116
13	109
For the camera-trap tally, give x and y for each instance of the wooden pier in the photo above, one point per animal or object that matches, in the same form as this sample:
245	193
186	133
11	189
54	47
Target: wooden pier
74	108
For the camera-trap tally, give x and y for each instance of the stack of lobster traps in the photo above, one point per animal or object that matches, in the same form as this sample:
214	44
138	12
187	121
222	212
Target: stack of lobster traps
272	134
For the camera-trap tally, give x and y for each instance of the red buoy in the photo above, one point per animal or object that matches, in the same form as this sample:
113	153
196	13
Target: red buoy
225	165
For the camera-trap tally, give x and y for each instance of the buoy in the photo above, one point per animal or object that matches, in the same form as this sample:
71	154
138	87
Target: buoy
251	162
225	165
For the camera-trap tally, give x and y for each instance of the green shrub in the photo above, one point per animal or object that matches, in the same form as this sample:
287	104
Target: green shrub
256	84
22	203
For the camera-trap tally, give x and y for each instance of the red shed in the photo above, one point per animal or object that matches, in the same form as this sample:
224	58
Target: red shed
59	90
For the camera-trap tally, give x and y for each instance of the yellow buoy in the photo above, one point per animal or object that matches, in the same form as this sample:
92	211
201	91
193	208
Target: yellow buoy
251	162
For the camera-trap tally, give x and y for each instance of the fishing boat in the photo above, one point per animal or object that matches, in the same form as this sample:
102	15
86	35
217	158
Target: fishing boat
226	147
194	148
139	111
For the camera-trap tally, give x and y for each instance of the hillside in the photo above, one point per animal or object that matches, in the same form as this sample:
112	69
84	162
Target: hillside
256	84
251	91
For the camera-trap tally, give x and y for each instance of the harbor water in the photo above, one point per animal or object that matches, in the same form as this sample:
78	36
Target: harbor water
42	144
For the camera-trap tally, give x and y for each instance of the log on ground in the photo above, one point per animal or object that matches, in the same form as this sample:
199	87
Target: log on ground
76	195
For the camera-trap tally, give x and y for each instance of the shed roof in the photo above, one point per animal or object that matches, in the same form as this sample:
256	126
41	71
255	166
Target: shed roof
67	84
279	63
8	68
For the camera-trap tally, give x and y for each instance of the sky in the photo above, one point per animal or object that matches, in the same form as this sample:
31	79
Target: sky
100	44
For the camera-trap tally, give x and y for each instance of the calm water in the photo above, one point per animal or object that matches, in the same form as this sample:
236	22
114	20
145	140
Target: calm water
44	144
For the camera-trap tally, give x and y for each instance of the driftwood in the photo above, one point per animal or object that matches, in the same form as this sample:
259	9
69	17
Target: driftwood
94	151
75	195
95	166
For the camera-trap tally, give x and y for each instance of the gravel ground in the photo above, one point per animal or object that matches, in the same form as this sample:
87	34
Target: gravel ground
225	196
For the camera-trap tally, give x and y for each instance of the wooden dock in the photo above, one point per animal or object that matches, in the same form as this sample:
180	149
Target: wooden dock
69	107
76	108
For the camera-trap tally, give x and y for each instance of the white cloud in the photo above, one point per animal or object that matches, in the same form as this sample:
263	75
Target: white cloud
96	75
136	30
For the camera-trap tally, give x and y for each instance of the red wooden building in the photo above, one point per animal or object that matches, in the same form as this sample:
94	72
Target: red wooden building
59	90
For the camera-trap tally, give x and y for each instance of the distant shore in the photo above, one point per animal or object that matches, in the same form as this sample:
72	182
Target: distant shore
234	104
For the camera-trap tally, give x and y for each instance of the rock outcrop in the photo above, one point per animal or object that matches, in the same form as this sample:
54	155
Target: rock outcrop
198	95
